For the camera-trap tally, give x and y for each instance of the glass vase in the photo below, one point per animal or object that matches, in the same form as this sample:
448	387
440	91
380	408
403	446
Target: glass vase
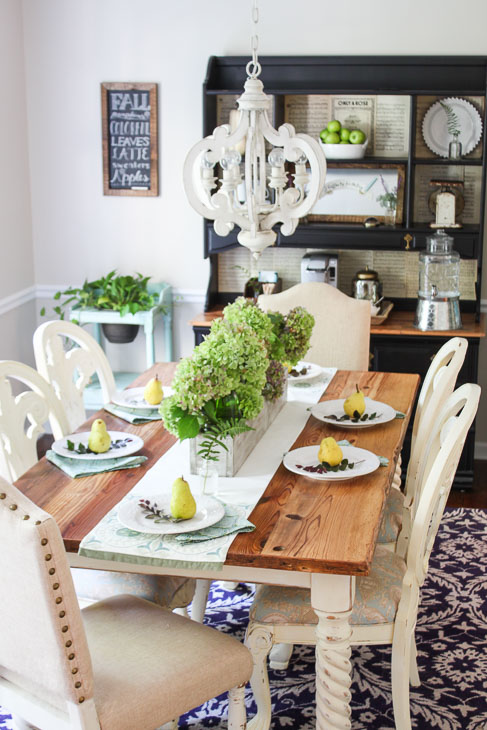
390	214
208	478
455	149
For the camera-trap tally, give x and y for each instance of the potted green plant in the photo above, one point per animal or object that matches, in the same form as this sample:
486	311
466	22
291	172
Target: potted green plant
124	294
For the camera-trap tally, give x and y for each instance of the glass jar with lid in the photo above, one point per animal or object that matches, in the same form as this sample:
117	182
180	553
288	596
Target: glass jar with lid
439	285
367	285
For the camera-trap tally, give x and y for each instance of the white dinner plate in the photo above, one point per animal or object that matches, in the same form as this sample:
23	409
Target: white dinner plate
134	398
208	511
327	408
435	126
364	462
312	371
132	444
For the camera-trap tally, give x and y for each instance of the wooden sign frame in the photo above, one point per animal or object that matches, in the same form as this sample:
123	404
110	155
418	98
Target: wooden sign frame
374	170
148	153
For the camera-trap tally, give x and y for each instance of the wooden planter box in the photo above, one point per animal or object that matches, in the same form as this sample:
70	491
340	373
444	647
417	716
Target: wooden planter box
239	448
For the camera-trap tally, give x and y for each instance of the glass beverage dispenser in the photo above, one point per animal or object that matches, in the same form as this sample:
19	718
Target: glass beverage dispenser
439	291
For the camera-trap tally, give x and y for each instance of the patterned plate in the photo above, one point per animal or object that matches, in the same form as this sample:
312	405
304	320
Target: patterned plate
464	115
208	511
128	443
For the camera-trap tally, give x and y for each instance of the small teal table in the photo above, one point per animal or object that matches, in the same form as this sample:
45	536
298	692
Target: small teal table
163	309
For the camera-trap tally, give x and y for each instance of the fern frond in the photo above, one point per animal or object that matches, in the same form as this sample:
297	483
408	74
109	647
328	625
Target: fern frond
452	122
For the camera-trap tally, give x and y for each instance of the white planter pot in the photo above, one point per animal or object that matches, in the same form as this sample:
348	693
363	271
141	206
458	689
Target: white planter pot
240	447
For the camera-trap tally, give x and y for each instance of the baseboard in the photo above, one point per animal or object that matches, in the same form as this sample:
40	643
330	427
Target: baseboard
17	300
480	451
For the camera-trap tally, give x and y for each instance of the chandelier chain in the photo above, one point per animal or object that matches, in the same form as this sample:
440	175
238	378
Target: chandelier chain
253	67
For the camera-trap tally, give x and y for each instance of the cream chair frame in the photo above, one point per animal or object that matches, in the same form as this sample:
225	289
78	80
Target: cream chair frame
18	451
341	335
58	366
444	450
52	660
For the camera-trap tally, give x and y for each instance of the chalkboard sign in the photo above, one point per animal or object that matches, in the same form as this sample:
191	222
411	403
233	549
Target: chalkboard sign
129	117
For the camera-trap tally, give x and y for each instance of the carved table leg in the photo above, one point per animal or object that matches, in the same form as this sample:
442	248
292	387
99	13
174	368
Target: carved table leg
332	599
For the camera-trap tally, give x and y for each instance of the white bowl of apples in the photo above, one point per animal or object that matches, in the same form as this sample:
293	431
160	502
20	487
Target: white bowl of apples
341	143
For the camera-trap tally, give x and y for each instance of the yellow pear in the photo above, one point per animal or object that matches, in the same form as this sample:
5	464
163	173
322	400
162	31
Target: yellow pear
99	440
153	392
330	452
183	505
354	405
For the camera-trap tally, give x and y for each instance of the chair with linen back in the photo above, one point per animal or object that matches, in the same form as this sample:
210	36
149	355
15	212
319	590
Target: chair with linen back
62	668
69	371
341	335
22	415
386	601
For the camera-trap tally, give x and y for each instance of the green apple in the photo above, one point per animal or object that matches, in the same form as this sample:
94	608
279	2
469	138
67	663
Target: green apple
332	138
344	134
357	136
344	141
333	126
323	134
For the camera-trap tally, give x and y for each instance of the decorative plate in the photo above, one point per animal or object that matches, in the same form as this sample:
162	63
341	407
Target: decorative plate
208	511
435	126
331	411
123	444
364	462
134	398
312	371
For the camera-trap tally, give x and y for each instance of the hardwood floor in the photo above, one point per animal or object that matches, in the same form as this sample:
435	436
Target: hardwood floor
477	495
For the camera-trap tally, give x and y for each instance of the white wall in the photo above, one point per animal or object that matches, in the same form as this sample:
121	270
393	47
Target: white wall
16	261
73	45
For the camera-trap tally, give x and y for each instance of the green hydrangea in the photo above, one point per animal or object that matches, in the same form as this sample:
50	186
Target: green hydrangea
297	331
244	311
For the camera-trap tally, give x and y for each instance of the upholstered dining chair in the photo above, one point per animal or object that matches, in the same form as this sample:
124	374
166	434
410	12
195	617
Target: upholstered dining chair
119	664
67	357
386	601
27	402
341	335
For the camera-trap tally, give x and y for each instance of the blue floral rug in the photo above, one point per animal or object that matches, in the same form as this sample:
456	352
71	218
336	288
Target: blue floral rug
451	639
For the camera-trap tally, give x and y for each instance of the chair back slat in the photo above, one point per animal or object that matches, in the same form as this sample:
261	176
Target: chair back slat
43	644
444	450
438	384
68	357
23	414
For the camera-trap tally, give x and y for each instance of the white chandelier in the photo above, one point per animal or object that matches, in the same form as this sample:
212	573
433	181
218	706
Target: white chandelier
247	201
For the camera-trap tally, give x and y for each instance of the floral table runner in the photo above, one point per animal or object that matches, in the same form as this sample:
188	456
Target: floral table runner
109	540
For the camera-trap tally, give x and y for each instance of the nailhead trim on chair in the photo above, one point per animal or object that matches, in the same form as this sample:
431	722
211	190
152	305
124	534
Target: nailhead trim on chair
55	586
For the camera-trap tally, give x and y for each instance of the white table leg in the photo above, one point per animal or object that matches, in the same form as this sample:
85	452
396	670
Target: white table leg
332	600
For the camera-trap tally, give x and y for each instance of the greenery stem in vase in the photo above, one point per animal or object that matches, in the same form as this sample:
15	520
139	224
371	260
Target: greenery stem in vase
453	126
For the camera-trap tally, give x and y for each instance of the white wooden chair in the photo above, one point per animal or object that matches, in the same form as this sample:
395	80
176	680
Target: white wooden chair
341	335
386	601
27	402
69	369
22	418
438	384
120	664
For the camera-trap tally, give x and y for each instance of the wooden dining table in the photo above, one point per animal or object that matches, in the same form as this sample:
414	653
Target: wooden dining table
308	533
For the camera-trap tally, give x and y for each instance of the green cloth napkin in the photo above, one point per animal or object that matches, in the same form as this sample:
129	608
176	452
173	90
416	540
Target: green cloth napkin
88	467
384	461
231	523
133	415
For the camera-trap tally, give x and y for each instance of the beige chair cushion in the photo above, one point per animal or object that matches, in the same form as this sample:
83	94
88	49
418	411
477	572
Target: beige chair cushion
392	520
376	597
165	590
146	658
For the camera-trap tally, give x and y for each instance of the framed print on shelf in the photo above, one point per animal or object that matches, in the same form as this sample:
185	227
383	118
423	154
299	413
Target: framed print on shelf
129	134
351	192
